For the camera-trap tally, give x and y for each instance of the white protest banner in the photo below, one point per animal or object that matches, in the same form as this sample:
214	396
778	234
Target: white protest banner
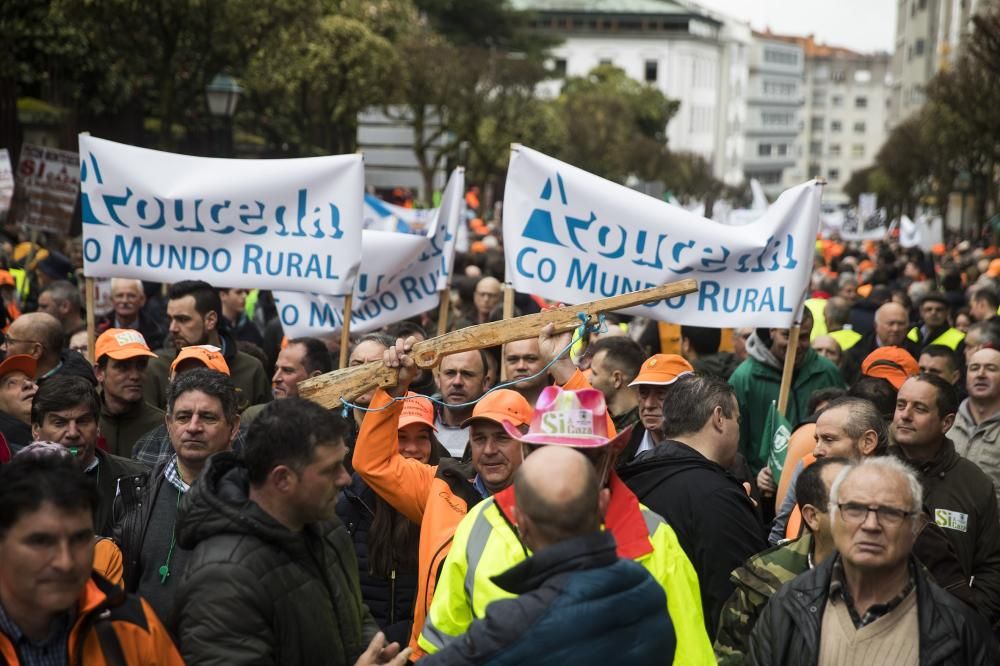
381	215
48	180
6	183
858	228
574	237
269	224
400	276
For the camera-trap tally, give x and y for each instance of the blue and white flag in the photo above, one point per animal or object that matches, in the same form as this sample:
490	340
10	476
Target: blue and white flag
574	237
267	224
401	276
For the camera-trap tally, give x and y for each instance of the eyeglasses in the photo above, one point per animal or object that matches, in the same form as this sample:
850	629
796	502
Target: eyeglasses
487	294
5	340
887	516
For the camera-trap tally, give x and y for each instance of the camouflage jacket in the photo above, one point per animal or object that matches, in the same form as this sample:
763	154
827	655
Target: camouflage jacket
756	582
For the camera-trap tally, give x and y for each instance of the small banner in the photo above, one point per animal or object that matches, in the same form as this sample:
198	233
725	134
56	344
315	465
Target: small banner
48	181
267	224
6	183
401	275
571	236
777	432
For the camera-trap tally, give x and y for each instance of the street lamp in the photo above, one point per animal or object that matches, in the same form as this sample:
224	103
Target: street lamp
223	93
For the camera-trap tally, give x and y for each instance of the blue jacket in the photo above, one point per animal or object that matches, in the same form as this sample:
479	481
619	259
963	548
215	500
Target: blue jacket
578	604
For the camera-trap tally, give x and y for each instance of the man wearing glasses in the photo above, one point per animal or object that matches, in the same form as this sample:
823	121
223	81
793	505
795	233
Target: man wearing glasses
872	602
958	495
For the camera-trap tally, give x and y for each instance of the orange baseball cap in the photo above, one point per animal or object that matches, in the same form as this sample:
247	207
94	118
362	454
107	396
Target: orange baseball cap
417	409
121	344
208	355
662	370
19	362
500	406
994	268
6	279
892	363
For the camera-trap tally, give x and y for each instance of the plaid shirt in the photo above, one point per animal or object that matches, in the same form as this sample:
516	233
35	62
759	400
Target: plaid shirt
52	651
173	476
839	592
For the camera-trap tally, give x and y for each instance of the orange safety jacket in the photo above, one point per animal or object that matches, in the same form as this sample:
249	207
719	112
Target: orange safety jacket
103	605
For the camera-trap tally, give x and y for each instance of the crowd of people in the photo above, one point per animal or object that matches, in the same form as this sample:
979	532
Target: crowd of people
167	496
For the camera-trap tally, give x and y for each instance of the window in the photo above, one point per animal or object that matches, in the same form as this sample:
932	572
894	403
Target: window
652	71
819	98
858	150
834	150
773	119
815	149
559	69
763	150
839	76
860	102
862	76
918	47
836	125
782	149
777	89
833	174
816	125
781	57
837	101
859	127
604	61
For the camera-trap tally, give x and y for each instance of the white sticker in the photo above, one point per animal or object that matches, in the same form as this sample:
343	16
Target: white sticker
952	520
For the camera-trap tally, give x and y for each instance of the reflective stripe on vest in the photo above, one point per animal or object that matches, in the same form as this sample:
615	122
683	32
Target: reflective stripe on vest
435	636
950	338
474	549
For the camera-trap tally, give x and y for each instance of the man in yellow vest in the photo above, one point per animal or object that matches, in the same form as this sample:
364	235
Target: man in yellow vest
487	543
936	330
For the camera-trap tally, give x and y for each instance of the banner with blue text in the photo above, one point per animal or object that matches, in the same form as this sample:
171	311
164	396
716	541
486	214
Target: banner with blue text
574	237
267	224
401	276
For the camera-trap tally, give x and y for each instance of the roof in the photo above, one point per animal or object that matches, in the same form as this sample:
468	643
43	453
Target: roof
651	7
811	47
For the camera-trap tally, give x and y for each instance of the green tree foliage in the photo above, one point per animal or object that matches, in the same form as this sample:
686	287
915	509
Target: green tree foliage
615	126
689	176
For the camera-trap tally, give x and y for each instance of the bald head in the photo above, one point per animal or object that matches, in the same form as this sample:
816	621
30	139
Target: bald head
37	334
890	324
486	296
557	496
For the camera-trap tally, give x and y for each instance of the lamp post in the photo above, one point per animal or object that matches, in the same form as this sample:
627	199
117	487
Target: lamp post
223	93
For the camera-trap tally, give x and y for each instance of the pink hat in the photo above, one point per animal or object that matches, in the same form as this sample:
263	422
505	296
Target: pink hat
565	417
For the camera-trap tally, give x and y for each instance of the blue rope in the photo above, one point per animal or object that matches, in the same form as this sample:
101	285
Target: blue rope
579	332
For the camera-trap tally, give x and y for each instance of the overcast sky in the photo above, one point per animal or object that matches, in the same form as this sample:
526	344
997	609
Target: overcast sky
862	25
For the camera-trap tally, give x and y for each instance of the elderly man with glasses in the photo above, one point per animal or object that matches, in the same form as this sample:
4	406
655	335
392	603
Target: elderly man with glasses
872	602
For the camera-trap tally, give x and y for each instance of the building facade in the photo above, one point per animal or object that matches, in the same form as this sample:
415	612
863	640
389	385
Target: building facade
676	47
774	104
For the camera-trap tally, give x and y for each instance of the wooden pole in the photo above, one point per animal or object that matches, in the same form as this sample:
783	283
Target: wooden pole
345	331
789	369
91	325
508	312
444	303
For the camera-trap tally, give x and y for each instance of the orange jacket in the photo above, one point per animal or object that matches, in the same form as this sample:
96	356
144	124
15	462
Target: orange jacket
436	497
143	640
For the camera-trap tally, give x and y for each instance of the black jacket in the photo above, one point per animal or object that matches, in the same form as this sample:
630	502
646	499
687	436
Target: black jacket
389	599
71	364
152	331
708	509
109	470
255	592
955	488
788	632
855	356
133	507
578	603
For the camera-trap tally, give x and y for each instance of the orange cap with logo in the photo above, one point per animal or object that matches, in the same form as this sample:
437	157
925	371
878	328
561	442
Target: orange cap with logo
662	370
416	409
19	363
502	405
121	344
208	355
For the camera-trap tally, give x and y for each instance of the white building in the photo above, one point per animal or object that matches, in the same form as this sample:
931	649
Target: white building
676	48
774	102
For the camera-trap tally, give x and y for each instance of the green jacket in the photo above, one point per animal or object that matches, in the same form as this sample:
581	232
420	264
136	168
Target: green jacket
756	384
122	431
756	582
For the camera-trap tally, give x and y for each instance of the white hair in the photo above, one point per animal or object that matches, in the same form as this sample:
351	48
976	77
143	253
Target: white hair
126	282
885	465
